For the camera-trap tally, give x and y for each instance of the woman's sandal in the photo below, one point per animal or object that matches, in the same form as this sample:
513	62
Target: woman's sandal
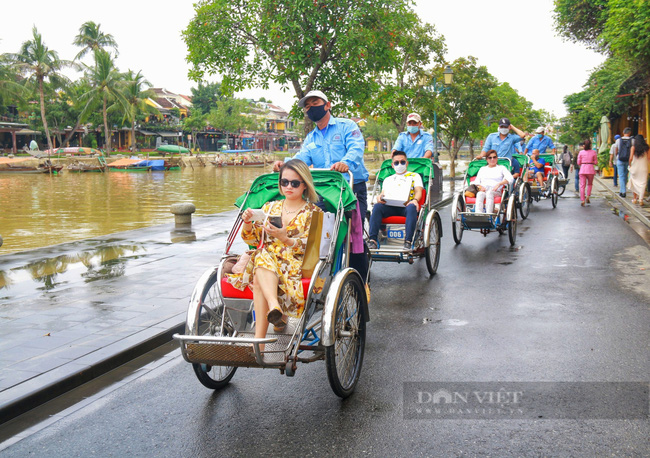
275	318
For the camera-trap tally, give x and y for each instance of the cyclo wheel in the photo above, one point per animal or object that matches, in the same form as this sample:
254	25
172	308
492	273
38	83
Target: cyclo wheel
343	360
512	229
524	202
213	377
554	193
432	256
457	225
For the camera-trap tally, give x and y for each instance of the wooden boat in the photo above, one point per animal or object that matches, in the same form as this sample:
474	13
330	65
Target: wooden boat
172	149
79	167
13	166
241	160
128	165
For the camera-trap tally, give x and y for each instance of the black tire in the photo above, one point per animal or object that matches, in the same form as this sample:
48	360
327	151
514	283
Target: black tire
512	230
560	190
524	205
456	226
432	255
554	194
213	377
343	360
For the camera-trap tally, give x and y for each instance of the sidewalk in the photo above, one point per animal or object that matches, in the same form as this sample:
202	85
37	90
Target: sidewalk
72	312
642	213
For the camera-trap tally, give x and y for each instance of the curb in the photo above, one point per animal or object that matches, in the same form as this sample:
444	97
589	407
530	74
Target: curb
631	208
43	394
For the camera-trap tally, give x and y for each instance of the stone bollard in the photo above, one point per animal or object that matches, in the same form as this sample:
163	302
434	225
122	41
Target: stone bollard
183	213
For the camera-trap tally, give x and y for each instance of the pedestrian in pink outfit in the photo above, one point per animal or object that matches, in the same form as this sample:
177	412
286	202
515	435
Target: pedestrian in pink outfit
587	159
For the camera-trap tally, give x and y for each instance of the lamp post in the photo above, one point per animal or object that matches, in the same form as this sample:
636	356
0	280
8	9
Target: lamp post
432	84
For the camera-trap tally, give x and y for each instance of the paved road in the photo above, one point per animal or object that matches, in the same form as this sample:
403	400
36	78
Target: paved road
568	304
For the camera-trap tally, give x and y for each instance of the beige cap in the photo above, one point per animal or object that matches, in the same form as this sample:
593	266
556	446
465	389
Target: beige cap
311	94
413	117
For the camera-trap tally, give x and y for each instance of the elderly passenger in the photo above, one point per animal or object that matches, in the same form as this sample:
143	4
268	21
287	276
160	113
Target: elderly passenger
489	181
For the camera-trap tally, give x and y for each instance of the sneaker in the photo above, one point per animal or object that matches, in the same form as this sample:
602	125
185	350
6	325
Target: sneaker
372	244
622	194
407	246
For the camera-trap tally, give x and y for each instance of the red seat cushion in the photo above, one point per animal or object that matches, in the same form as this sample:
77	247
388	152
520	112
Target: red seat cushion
472	200
229	291
402	219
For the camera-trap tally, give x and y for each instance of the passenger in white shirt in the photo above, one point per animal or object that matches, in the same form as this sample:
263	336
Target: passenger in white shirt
409	208
490	180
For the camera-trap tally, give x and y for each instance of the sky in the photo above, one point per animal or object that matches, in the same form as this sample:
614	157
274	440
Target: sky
516	41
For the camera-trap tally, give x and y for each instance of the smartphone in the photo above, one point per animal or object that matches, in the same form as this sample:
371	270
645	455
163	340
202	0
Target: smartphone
276	221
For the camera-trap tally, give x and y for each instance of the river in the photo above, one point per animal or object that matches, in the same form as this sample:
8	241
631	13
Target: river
42	210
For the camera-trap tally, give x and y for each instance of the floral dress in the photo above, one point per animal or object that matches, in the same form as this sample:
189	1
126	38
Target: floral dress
285	261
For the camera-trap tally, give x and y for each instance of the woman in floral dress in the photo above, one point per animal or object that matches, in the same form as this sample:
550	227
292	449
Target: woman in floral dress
274	271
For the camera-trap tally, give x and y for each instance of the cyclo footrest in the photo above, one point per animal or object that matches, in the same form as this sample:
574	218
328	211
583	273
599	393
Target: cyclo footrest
234	351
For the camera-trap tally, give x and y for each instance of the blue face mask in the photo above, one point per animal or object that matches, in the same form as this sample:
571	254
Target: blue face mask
539	136
316	113
412	129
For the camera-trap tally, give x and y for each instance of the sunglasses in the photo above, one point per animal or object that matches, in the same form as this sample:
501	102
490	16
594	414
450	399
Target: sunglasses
294	183
396	163
492	157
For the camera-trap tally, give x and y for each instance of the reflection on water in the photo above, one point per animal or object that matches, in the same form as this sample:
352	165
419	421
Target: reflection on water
43	210
104	262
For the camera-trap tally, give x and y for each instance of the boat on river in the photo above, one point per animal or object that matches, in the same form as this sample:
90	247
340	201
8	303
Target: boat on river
73	150
16	165
241	158
141	165
82	167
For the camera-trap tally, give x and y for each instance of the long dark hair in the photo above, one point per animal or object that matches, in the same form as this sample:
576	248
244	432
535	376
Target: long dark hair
587	143
640	146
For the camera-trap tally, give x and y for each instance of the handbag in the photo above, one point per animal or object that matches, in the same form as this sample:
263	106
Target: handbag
471	191
312	250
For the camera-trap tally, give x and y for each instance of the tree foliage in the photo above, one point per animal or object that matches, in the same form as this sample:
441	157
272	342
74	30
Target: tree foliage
91	39
582	20
417	47
206	97
333	46
627	30
463	106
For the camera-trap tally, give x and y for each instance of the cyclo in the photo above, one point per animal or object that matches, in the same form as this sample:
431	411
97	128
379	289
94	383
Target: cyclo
551	178
428	230
463	217
220	318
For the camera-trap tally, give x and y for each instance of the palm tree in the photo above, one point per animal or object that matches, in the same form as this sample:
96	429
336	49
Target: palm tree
90	38
107	85
136	93
39	62
10	90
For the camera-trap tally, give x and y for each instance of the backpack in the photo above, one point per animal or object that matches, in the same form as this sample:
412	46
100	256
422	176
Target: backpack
566	159
624	150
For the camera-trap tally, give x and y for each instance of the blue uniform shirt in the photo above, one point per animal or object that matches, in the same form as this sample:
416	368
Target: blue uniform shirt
536	169
541	145
423	143
518	148
505	147
340	141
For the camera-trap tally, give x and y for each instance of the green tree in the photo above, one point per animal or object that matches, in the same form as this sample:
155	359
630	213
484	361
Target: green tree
136	92
380	130
231	116
462	106
627	31
416	47
206	97
333	46
196	122
11	91
41	65
582	21
107	86
91	39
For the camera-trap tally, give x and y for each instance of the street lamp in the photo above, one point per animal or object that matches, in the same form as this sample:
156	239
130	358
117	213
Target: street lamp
431	84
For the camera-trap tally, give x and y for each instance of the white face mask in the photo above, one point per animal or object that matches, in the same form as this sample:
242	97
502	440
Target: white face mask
400	169
504	130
